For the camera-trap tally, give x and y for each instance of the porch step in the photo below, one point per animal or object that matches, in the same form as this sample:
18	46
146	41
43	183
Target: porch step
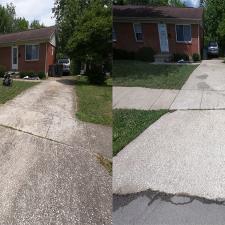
163	57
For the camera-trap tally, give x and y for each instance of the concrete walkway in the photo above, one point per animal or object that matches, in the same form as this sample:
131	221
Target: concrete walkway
205	89
49	172
143	98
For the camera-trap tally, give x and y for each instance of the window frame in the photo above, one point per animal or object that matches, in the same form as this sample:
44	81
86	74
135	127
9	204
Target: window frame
187	42
30	60
138	33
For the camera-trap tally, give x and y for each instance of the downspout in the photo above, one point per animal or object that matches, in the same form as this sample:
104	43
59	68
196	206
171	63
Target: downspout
46	56
199	40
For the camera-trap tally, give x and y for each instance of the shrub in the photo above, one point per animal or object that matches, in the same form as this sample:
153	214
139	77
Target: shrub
27	73
41	75
179	56
123	54
96	75
196	57
75	67
2	71
145	54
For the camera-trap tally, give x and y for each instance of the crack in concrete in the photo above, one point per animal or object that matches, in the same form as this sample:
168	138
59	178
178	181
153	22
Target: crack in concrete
35	135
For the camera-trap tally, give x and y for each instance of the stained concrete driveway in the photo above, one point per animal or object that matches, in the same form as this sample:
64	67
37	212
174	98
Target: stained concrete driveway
205	88
49	173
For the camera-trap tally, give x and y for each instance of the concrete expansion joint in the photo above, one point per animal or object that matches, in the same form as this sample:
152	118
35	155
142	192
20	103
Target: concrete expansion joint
35	135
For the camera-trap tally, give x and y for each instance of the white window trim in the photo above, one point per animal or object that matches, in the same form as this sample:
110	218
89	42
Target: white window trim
31	60
135	33
186	42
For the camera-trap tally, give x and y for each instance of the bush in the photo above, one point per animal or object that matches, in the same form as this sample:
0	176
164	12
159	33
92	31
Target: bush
2	71
123	54
145	54
196	57
75	67
96	75
27	73
41	75
179	56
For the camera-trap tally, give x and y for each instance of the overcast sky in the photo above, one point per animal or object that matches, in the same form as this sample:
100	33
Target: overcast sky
193	3
34	9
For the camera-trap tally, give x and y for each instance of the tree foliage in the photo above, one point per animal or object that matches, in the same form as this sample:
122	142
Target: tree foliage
35	24
10	23
84	29
214	20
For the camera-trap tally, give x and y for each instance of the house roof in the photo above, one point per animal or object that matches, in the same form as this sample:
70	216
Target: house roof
169	12
42	34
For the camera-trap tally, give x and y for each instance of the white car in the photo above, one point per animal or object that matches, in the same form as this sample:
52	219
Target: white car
66	65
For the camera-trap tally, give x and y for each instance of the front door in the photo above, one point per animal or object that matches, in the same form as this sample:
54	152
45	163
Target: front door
14	58
163	37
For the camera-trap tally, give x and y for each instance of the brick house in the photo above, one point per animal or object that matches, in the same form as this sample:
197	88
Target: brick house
167	30
32	50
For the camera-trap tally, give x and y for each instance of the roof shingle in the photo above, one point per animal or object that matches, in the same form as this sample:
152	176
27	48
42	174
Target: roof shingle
157	12
29	35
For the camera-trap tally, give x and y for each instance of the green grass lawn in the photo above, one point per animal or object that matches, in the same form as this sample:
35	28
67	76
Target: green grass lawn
143	74
129	123
8	93
94	102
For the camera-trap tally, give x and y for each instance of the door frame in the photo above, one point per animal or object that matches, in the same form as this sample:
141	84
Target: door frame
166	41
14	66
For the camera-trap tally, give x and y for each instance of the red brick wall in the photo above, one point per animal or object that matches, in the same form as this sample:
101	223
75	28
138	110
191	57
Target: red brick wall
23	65
187	48
126	39
5	57
51	58
35	66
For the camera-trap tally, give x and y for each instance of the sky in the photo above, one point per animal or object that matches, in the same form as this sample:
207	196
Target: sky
34	9
193	3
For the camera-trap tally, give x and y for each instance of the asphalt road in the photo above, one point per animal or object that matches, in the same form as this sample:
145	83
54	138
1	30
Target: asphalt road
48	169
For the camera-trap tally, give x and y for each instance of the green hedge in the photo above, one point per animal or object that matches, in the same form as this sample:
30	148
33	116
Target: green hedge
179	56
196	57
2	71
41	74
143	54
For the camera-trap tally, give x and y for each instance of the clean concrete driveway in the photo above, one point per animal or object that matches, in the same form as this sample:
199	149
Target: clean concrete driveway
49	173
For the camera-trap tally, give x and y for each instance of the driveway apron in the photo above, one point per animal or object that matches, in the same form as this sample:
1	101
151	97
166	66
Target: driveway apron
49	174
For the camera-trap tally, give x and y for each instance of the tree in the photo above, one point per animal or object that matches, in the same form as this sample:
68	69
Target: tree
7	17
21	24
85	29
214	21
8	22
35	24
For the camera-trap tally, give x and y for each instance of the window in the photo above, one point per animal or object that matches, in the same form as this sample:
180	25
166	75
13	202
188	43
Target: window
183	33
113	34
32	52
138	32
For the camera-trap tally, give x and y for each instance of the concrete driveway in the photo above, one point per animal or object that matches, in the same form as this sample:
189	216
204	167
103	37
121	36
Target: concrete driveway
205	88
49	173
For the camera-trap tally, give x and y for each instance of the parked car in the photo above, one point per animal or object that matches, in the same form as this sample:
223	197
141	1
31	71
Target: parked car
66	65
213	49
